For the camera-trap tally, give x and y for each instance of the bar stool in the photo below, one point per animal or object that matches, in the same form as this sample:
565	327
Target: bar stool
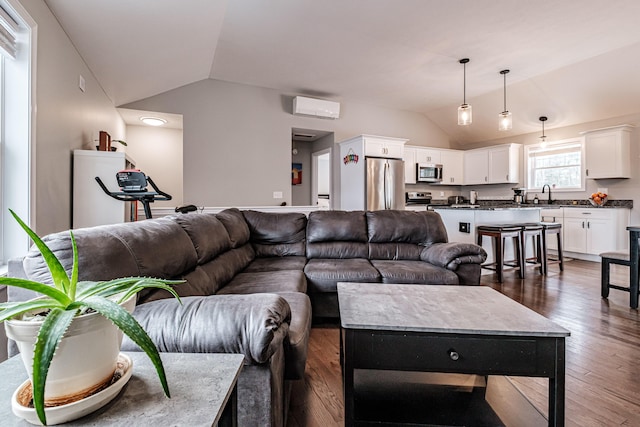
534	231
551	228
608	258
498	233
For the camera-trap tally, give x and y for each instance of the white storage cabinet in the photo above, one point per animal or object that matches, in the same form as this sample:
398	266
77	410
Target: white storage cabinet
608	152
592	231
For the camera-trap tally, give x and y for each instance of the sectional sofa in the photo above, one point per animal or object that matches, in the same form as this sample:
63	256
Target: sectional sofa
251	278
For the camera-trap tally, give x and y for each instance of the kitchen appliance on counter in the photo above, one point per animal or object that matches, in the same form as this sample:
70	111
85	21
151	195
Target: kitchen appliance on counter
427	172
456	200
418	197
519	195
473	197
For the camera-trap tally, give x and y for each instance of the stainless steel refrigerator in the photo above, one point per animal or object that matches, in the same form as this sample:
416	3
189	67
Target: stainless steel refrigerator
384	184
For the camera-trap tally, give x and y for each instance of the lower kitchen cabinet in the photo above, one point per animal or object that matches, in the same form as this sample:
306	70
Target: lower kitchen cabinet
592	231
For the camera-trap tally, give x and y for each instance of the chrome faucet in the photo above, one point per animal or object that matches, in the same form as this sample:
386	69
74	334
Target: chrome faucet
547	185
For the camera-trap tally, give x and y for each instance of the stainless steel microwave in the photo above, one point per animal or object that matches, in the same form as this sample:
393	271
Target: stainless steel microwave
427	172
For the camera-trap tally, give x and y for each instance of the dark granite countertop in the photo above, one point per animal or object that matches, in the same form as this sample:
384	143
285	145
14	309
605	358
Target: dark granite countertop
506	204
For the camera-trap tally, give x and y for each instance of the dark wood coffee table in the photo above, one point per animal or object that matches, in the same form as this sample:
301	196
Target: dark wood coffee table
450	329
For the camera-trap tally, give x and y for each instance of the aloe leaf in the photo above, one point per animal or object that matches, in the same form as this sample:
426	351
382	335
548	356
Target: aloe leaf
49	336
130	326
38	287
156	284
74	270
9	310
58	274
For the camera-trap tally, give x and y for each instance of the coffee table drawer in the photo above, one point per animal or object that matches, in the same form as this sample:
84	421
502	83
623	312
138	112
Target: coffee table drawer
437	353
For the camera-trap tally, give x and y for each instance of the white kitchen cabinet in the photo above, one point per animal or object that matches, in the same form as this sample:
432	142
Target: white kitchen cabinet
476	167
428	155
608	152
379	146
493	165
452	167
592	231
409	157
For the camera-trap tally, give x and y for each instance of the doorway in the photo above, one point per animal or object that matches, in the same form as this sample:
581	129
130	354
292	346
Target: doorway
311	171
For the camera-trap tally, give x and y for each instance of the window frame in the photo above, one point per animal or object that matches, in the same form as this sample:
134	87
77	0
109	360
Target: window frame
527	175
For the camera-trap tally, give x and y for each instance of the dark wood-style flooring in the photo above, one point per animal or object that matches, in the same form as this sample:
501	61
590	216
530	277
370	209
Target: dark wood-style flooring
602	353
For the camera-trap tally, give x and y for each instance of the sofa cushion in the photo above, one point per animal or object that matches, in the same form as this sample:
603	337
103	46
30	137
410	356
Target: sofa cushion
208	234
296	343
277	234
324	274
222	269
153	248
337	234
252	325
422	228
276	263
268	281
236	226
406	271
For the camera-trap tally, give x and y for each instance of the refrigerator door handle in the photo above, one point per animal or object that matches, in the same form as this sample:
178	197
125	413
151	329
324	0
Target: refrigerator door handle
387	201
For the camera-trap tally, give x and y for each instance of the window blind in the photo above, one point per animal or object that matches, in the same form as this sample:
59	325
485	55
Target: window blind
8	31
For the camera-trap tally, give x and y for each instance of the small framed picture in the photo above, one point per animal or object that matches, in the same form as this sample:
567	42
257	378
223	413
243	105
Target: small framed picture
296	173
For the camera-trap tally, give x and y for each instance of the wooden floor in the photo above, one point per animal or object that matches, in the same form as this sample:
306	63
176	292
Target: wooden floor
602	353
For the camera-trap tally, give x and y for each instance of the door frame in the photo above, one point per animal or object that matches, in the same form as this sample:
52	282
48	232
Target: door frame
314	176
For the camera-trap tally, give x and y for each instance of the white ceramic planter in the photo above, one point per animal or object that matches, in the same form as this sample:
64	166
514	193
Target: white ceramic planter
86	356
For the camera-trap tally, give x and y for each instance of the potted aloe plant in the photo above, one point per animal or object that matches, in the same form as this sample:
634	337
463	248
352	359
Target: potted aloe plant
53	315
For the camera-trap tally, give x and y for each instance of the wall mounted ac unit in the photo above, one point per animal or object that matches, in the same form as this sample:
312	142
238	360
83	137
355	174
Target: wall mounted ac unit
316	107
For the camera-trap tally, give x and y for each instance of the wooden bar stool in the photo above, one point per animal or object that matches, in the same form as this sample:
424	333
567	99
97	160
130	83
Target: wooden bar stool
498	233
535	231
608	258
551	228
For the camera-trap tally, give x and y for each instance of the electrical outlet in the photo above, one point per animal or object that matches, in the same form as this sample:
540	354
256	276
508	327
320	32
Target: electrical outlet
464	227
277	194
603	190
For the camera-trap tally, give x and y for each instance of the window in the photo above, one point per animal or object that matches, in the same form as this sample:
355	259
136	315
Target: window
558	164
17	31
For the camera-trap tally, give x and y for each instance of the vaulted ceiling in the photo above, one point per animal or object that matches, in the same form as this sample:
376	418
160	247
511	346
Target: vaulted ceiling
574	61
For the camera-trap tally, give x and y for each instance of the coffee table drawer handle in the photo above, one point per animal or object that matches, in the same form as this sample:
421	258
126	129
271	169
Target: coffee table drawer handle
454	355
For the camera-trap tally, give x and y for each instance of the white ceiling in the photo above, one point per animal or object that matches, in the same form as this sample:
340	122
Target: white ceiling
574	61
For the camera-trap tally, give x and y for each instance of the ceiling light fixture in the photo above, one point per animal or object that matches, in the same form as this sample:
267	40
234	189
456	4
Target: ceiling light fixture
543	138
505	121
464	111
153	121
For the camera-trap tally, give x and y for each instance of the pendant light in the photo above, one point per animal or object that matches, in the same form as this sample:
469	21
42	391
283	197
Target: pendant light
504	119
543	138
464	111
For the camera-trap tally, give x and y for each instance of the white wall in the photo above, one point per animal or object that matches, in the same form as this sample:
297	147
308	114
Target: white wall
237	138
66	118
158	153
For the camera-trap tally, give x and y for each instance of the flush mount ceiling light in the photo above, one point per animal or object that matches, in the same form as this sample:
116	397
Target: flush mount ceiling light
153	121
464	111
505	121
543	137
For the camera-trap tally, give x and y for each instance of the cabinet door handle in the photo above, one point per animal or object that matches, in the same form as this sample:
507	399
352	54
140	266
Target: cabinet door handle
507	177
485	179
586	172
588	224
582	224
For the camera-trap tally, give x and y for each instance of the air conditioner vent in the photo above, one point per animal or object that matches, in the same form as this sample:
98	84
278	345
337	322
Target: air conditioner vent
316	107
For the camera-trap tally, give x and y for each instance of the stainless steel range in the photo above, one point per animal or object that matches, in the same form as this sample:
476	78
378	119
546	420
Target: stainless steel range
418	197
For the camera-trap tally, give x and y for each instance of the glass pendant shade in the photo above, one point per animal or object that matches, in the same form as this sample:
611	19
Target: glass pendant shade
543	137
505	121
465	115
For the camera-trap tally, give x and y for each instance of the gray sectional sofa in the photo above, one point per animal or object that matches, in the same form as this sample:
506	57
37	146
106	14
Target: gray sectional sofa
251	279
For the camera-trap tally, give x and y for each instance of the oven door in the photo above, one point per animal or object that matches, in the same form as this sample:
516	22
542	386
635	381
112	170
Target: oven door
429	172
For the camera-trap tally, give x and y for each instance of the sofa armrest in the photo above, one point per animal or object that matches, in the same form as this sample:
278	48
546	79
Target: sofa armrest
451	255
253	325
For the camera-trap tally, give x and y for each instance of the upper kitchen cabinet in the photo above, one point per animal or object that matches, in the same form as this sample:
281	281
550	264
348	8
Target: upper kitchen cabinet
608	152
409	158
381	146
493	165
452	167
428	155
